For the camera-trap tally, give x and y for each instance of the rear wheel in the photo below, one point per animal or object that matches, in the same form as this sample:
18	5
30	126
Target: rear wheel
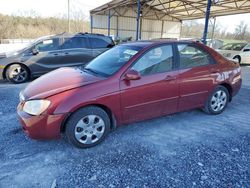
87	127
17	74
217	101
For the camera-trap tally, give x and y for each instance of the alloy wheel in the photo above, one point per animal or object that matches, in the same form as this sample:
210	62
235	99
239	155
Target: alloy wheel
219	100
19	74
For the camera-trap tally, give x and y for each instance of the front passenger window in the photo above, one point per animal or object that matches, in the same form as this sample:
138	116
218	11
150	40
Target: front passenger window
157	60
48	45
191	56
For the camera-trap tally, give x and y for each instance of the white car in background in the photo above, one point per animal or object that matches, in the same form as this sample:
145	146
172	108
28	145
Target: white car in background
239	52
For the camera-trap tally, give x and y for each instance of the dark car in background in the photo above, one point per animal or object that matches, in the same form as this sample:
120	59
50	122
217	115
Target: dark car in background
51	52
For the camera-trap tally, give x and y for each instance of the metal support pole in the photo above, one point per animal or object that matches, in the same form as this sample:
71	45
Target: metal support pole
117	26
162	27
181	30
91	23
212	37
109	17
209	2
138	19
140	30
68	18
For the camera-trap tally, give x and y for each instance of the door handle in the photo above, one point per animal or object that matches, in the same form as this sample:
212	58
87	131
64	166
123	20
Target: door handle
56	54
66	53
169	78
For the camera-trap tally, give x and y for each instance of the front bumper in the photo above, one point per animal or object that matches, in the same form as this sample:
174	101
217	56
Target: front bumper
44	126
237	82
1	72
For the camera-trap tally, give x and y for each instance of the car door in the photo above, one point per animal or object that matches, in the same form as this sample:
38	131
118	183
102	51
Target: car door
99	45
76	51
195	76
245	55
47	57
156	92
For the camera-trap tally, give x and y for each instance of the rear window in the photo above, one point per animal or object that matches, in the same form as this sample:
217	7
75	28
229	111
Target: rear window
192	56
75	42
101	43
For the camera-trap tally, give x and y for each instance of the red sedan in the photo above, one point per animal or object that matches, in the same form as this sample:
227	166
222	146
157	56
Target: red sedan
130	82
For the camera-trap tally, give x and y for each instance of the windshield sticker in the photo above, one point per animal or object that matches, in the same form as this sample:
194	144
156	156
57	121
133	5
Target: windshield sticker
130	52
47	41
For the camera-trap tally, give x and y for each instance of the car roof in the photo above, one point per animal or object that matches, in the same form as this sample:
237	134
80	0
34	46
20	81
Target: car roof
79	35
145	43
238	43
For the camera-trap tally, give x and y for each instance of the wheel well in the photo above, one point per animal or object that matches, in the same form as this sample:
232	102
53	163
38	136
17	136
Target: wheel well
105	108
237	56
229	88
6	68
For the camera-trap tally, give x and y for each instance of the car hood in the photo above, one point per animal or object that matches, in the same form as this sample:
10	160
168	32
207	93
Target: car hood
2	55
13	53
58	81
228	53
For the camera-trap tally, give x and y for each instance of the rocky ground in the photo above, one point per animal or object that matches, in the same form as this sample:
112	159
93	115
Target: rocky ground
188	149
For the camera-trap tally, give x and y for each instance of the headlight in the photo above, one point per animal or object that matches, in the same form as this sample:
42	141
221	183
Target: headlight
36	107
21	97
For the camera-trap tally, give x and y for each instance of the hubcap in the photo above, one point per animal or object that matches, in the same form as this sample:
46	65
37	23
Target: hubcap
89	129
219	100
19	74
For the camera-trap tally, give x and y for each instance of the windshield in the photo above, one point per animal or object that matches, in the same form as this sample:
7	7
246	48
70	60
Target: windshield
29	45
233	46
112	60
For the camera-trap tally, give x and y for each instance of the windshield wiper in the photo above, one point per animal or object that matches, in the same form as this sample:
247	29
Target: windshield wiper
95	72
90	70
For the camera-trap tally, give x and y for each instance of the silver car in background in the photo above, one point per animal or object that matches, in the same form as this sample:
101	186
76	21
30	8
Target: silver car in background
239	52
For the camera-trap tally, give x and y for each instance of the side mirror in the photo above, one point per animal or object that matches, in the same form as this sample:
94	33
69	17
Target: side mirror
246	50
34	51
132	75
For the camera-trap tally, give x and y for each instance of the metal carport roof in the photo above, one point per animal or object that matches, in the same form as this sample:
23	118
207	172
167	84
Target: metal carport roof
182	9
173	10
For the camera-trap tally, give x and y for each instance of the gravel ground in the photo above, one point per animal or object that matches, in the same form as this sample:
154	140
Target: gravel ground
188	149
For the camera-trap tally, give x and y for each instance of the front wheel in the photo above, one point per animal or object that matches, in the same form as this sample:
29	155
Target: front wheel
17	74
217	101
87	127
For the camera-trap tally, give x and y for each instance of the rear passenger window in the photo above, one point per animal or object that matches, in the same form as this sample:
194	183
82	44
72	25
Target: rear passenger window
75	42
156	60
100	43
191	56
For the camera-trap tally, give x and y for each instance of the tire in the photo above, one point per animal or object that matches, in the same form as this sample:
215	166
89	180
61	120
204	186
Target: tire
217	101
87	127
17	74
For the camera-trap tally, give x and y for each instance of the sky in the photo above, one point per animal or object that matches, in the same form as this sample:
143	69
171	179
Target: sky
47	8
51	8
